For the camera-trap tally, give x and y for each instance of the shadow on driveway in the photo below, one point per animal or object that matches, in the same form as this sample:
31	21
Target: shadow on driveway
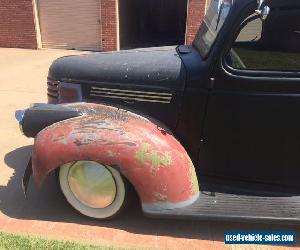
48	204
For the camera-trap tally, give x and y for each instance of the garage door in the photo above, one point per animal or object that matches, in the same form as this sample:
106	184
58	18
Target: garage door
70	24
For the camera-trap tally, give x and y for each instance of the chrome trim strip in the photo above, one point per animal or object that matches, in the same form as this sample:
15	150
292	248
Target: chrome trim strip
108	93
19	114
131	98
132	91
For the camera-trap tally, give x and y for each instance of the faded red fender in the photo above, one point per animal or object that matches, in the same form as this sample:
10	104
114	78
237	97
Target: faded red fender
147	155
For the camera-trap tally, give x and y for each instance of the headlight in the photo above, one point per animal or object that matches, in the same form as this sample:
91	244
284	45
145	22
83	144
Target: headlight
19	116
40	116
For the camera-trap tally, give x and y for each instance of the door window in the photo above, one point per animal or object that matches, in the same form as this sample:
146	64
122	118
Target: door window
270	45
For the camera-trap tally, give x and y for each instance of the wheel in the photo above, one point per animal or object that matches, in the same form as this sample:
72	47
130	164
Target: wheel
93	189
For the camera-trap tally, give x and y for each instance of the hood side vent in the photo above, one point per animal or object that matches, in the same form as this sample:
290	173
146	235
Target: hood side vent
131	95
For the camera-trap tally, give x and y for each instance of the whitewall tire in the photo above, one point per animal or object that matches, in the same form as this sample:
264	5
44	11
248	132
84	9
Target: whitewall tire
94	190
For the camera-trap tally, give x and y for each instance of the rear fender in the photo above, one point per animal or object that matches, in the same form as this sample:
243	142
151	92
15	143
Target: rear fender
150	157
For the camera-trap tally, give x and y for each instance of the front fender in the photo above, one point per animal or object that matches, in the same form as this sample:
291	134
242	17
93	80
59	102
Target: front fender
145	153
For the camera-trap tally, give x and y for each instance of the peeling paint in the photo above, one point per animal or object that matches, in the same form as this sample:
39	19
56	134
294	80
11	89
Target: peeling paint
194	181
112	154
155	163
157	159
160	197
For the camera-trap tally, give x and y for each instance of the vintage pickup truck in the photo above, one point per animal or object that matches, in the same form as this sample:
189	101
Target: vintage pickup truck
207	131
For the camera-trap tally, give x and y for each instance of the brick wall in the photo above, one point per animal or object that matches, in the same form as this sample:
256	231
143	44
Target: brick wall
109	21
17	27
196	12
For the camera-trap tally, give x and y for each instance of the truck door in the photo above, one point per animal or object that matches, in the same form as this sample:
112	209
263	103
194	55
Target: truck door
252	128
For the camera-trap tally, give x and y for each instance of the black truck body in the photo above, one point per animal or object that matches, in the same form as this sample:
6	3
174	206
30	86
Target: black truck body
239	124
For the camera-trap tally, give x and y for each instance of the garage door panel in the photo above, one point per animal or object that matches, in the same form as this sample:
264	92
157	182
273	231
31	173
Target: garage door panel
70	24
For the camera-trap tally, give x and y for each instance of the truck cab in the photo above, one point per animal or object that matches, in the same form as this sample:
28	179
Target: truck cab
231	99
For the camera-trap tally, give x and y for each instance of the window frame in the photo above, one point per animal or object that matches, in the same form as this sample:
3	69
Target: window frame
251	72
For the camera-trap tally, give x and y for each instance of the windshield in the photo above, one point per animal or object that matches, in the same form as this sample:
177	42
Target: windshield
211	26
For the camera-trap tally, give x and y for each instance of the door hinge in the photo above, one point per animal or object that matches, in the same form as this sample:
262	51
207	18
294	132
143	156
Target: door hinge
212	81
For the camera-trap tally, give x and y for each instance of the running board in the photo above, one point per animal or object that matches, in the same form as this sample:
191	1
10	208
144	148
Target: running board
216	206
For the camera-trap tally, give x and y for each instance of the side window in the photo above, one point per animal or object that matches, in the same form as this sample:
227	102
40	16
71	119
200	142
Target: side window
270	45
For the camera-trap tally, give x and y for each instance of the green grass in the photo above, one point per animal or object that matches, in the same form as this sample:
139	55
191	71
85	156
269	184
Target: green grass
269	60
16	242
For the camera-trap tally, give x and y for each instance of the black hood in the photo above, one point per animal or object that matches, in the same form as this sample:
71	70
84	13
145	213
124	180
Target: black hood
155	67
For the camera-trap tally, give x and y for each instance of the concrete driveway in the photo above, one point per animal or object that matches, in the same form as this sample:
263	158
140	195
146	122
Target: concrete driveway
23	81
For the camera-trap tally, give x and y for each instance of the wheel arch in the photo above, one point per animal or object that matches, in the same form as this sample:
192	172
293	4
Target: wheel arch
149	157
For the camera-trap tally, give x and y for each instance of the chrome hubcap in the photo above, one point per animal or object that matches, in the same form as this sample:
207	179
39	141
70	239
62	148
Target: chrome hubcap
92	184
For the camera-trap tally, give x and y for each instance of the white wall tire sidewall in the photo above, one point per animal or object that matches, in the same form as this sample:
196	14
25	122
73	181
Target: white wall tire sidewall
97	213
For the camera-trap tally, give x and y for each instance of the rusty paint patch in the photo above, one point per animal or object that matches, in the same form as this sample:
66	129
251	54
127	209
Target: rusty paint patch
104	112
160	197
154	162
130	144
194	181
112	154
84	142
157	159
